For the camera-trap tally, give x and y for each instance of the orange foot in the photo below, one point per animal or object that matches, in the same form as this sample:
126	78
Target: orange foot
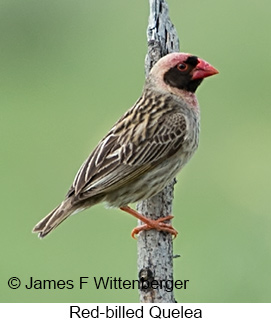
158	224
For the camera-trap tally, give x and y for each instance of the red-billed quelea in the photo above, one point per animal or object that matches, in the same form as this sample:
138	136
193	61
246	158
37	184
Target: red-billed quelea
145	149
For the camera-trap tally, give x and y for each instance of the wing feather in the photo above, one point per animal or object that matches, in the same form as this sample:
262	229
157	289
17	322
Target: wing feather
137	143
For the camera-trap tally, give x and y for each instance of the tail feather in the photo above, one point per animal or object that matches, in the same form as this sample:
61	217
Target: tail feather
54	218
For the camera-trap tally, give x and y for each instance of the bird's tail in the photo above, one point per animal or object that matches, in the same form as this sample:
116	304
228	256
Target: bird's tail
54	218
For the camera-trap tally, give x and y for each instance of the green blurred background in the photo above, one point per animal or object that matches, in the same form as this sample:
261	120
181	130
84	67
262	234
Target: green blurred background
68	71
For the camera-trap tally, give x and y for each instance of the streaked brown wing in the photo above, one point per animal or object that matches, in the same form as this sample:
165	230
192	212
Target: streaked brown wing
133	146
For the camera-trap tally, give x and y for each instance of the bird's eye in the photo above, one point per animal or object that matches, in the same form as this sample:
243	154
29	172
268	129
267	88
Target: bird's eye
182	67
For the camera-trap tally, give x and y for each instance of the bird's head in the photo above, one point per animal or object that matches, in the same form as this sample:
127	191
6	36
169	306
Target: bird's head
181	71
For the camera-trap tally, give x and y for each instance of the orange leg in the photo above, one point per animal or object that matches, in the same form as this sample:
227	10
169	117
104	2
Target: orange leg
158	224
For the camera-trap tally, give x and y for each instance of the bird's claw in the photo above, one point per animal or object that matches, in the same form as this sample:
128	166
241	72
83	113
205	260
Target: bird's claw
158	225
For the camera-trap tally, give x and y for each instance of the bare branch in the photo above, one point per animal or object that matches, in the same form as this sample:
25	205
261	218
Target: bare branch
155	250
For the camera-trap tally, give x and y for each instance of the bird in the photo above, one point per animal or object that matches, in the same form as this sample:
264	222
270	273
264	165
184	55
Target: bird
145	148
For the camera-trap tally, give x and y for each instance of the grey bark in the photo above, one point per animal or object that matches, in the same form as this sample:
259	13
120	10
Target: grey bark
155	249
